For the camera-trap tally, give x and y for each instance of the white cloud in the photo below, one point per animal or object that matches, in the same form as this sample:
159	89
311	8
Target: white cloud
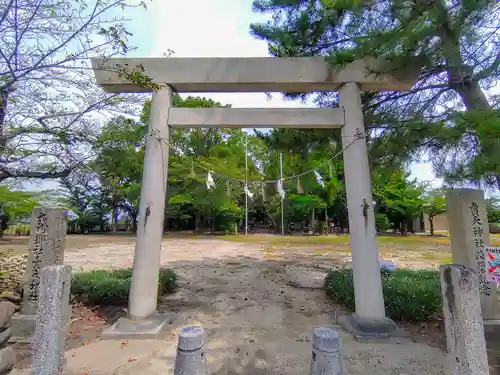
423	172
217	28
220	28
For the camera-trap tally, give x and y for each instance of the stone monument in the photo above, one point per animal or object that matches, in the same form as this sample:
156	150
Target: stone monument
460	288
469	234
46	248
51	320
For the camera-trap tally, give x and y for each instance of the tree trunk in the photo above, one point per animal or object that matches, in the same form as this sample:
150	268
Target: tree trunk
4	97
404	228
196	223
431	225
474	98
165	222
326	221
214	216
460	75
114	218
313	220
134	223
397	227
461	81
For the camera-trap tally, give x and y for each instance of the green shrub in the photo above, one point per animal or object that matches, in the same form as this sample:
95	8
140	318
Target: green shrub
232	230
18	230
382	222
112	287
408	295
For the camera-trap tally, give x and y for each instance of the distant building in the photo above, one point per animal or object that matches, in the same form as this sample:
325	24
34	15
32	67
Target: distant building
440	222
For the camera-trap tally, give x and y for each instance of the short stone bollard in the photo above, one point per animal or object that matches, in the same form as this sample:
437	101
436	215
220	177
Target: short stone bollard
326	352
191	358
51	320
463	321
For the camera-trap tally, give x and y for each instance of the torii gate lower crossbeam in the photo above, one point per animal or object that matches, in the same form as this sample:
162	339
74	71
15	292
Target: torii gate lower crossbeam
254	74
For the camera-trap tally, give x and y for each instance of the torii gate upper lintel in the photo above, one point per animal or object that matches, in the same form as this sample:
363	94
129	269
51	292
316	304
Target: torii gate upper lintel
250	74
256	74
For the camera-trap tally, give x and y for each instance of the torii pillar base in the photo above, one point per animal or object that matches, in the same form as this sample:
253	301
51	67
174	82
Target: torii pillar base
366	329
147	328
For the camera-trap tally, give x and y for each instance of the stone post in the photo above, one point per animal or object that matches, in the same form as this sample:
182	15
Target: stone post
191	358
46	248
463	322
326	352
142	320
369	320
7	353
51	320
469	233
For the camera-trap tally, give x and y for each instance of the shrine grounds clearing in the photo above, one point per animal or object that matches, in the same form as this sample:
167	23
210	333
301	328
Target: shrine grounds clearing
229	283
415	251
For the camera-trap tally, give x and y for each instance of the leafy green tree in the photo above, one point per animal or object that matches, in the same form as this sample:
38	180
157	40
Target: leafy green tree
15	205
119	148
400	198
48	103
86	202
382	222
192	154
304	151
493	209
434	204
454	47
119	163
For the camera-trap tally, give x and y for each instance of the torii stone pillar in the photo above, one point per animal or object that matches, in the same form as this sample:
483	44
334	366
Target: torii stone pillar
143	320
365	260
370	320
255	74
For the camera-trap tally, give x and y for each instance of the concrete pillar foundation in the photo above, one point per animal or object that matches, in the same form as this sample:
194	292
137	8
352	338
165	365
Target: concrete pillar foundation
150	327
364	329
23	326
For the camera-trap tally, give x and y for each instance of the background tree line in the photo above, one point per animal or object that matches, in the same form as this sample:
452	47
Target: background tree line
109	186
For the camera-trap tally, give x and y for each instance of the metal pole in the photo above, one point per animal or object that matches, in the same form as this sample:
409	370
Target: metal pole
281	178
246	184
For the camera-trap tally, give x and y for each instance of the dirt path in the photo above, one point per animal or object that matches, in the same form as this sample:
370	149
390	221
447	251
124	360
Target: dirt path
258	307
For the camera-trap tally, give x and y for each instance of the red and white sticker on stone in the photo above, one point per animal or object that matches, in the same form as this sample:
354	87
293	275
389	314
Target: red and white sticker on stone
492	263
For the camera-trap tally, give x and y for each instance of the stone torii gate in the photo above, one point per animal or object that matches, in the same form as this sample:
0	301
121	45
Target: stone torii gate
256	74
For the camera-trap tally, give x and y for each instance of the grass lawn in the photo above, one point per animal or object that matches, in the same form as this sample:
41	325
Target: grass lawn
415	250
344	239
